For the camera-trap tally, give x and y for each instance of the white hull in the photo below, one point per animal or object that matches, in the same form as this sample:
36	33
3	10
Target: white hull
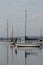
28	45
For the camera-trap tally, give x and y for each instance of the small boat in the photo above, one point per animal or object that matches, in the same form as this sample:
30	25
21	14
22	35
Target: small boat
7	42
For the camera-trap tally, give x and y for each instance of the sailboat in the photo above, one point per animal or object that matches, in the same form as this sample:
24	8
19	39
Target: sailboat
27	44
8	40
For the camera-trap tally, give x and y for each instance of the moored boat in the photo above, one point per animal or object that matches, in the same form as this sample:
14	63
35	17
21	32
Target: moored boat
28	45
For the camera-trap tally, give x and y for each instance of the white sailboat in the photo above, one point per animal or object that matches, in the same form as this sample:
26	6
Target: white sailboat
25	43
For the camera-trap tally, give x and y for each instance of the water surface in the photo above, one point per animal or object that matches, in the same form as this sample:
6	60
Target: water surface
20	56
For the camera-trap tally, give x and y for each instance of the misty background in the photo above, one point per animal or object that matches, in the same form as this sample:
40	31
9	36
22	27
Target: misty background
14	11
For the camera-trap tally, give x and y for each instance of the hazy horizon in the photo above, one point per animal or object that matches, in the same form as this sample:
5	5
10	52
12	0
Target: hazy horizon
14	11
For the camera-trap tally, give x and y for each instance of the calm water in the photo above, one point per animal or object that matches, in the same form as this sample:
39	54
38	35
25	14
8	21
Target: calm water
20	56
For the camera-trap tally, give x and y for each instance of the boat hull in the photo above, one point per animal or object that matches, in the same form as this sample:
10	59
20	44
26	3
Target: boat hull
28	45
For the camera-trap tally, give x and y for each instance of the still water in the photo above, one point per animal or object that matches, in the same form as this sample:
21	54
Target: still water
20	56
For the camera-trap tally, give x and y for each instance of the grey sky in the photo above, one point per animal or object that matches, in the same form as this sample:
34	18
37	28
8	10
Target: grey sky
14	10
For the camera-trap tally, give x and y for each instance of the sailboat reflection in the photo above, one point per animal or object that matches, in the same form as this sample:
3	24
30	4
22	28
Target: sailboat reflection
16	51
30	52
12	55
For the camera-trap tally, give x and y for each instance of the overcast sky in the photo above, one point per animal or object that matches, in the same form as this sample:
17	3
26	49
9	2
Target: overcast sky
14	11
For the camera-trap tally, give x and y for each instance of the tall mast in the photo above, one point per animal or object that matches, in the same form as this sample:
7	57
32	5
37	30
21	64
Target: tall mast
12	31
12	34
7	29
41	33
25	22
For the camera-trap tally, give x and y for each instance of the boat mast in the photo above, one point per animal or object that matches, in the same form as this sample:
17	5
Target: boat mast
25	24
41	33
7	39
7	29
12	31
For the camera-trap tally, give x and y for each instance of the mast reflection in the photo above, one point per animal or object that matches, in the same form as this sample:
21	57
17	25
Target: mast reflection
16	51
30	52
